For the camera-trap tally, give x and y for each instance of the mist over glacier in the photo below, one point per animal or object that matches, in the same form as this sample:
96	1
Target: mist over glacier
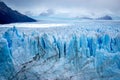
88	50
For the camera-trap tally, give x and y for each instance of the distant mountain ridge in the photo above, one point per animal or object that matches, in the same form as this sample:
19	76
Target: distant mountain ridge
7	15
106	17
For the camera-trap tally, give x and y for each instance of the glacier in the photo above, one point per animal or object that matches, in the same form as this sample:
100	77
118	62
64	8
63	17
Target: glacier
78	51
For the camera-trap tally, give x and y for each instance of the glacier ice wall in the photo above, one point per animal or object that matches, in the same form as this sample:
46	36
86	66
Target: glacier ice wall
6	64
80	53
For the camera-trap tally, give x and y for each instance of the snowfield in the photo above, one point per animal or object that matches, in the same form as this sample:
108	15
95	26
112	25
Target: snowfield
87	50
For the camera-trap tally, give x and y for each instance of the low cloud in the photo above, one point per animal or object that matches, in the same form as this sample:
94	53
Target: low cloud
28	13
47	13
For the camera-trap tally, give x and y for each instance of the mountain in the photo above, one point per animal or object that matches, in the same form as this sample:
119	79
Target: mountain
7	15
84	18
106	17
88	18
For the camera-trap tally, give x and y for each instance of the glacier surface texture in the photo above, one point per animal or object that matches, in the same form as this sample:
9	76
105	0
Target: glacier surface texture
80	51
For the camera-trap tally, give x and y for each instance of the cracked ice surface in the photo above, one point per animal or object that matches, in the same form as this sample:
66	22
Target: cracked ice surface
78	51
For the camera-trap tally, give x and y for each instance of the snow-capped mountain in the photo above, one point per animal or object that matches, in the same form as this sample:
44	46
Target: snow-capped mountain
7	15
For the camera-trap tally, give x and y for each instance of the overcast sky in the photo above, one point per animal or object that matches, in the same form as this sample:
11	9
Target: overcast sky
66	7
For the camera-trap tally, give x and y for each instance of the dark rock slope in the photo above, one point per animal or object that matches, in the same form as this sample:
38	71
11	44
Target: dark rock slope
7	15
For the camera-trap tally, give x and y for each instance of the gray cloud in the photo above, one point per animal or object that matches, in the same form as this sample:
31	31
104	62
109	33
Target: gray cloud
70	6
47	13
28	13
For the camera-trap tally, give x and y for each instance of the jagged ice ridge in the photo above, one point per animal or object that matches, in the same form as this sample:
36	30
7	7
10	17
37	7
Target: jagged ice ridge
78	52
